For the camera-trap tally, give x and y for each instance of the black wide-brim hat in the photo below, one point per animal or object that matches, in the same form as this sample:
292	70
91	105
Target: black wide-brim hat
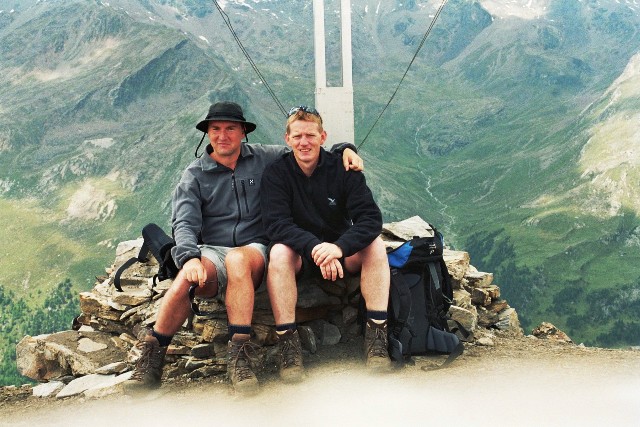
228	112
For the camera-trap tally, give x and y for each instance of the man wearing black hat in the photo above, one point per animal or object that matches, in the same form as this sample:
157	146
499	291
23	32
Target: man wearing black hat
220	242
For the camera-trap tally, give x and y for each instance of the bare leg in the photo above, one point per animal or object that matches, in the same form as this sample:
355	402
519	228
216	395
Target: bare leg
174	310
374	284
374	274
284	263
245	269
176	307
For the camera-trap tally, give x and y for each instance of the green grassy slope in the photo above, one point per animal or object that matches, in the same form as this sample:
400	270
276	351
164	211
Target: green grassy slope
497	149
496	135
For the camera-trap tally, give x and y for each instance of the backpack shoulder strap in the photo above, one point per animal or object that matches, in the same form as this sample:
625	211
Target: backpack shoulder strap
444	342
457	351
434	276
142	257
401	311
436	298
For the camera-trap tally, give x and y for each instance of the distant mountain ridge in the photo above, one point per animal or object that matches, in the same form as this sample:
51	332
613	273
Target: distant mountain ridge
513	133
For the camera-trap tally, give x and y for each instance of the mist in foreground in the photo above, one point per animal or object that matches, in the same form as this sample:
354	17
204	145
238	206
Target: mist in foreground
549	392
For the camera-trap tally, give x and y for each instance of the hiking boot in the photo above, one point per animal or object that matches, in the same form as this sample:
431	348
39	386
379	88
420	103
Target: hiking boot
376	346
290	357
239	366
147	374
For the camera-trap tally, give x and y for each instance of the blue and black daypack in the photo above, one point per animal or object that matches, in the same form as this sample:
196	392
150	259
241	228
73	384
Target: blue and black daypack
159	244
419	299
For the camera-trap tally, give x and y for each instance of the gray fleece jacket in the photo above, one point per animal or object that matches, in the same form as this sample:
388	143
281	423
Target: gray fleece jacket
218	206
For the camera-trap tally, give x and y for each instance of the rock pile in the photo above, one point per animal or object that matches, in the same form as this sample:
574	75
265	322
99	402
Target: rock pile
98	354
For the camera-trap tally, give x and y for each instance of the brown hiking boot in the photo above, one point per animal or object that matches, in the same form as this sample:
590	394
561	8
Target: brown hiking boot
239	366
290	357
147	374
376	346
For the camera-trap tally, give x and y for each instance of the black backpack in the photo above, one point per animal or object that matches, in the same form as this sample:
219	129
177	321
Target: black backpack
419	299
159	244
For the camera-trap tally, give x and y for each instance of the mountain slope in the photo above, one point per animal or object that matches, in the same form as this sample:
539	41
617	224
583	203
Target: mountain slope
514	131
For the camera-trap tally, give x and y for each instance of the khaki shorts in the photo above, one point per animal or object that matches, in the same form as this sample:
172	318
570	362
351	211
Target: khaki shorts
216	255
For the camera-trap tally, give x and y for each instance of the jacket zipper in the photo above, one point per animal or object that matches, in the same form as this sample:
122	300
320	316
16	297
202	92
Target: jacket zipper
244	194
235	190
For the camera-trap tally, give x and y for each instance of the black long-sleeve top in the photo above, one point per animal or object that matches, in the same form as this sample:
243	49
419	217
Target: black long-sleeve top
332	205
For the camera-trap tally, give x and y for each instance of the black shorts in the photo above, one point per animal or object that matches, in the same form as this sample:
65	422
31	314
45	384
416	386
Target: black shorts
311	270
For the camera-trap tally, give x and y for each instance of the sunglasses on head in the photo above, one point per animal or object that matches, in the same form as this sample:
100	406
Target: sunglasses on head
304	108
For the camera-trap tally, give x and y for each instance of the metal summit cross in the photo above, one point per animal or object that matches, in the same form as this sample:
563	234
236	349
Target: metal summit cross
335	103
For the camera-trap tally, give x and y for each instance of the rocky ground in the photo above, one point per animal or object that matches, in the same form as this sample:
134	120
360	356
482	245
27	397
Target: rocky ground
521	381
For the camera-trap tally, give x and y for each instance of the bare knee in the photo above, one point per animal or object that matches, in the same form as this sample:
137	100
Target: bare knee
374	266
179	289
244	262
378	250
282	258
282	253
373	256
236	260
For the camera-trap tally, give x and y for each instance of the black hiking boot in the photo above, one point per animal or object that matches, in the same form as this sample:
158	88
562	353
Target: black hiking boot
239	366
290	357
376	346
147	374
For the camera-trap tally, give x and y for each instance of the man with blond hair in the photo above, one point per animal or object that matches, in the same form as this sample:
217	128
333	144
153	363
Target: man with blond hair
322	220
